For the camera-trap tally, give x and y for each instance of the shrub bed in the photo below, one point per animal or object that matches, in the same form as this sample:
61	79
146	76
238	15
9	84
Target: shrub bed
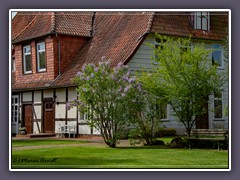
166	132
208	144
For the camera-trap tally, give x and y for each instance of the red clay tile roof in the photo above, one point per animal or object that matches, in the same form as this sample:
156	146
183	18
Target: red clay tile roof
29	25
31	85
117	35
180	24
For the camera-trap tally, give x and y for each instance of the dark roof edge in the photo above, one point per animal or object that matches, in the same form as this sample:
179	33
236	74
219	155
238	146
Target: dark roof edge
41	88
49	33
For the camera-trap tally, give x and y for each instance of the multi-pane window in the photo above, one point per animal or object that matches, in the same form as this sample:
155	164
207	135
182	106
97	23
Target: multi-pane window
218	105
15	110
27	63
41	58
162	110
202	21
217	55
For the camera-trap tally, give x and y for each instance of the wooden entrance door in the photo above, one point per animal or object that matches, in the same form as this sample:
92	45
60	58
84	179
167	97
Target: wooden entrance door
49	123
202	121
28	118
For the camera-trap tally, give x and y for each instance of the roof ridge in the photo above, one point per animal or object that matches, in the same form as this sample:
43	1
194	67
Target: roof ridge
26	26
53	22
150	22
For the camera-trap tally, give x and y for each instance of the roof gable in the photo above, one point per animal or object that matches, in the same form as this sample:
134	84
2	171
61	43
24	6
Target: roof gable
30	25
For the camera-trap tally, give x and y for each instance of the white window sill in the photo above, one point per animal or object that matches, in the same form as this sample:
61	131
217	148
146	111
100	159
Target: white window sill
28	72
41	70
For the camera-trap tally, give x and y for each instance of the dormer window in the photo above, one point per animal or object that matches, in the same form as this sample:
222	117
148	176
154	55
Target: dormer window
41	59
202	21
27	63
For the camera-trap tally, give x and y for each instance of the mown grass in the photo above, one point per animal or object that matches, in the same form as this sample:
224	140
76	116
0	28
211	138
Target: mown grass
40	142
123	157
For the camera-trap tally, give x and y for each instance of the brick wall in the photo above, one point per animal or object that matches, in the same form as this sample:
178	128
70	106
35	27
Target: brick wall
69	48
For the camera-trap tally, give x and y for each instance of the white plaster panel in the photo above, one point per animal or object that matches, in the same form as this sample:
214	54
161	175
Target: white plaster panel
27	96
60	111
72	113
84	129
35	127
72	94
72	123
96	132
37	96
61	95
48	93
38	111
58	124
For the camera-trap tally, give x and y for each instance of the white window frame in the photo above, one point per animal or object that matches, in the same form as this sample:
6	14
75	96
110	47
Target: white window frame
15	115
38	59
218	49
24	59
166	114
221	99
199	15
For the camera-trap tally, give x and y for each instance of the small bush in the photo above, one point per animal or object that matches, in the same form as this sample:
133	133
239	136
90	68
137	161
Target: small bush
166	132
178	143
158	142
207	144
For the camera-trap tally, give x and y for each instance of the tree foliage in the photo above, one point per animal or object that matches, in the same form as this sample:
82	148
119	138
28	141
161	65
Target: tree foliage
184	77
107	95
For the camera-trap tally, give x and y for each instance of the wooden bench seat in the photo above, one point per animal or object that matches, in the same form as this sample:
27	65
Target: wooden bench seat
219	135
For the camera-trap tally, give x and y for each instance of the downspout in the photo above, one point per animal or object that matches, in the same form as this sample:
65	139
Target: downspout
59	60
59	56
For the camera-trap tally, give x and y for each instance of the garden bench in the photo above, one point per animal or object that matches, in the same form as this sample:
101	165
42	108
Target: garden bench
67	129
219	135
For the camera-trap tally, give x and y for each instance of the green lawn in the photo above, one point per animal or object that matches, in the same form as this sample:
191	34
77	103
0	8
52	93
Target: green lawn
40	142
86	156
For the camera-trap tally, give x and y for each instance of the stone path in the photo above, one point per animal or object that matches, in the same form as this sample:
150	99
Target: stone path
90	142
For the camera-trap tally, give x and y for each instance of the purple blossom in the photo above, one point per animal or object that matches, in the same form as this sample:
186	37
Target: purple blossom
96	69
103	58
107	62
139	87
125	67
126	89
130	80
93	91
112	76
88	78
123	94
92	74
119	90
79	73
115	70
68	105
84	67
120	64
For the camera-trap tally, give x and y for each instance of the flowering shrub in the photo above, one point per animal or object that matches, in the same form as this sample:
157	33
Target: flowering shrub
111	94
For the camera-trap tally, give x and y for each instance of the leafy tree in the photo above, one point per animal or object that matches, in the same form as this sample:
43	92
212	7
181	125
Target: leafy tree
184	77
147	119
107	95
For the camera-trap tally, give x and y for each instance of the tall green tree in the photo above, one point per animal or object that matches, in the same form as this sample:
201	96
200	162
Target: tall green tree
184	77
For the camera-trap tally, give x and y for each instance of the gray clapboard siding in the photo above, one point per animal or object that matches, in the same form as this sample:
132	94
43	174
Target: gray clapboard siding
142	58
